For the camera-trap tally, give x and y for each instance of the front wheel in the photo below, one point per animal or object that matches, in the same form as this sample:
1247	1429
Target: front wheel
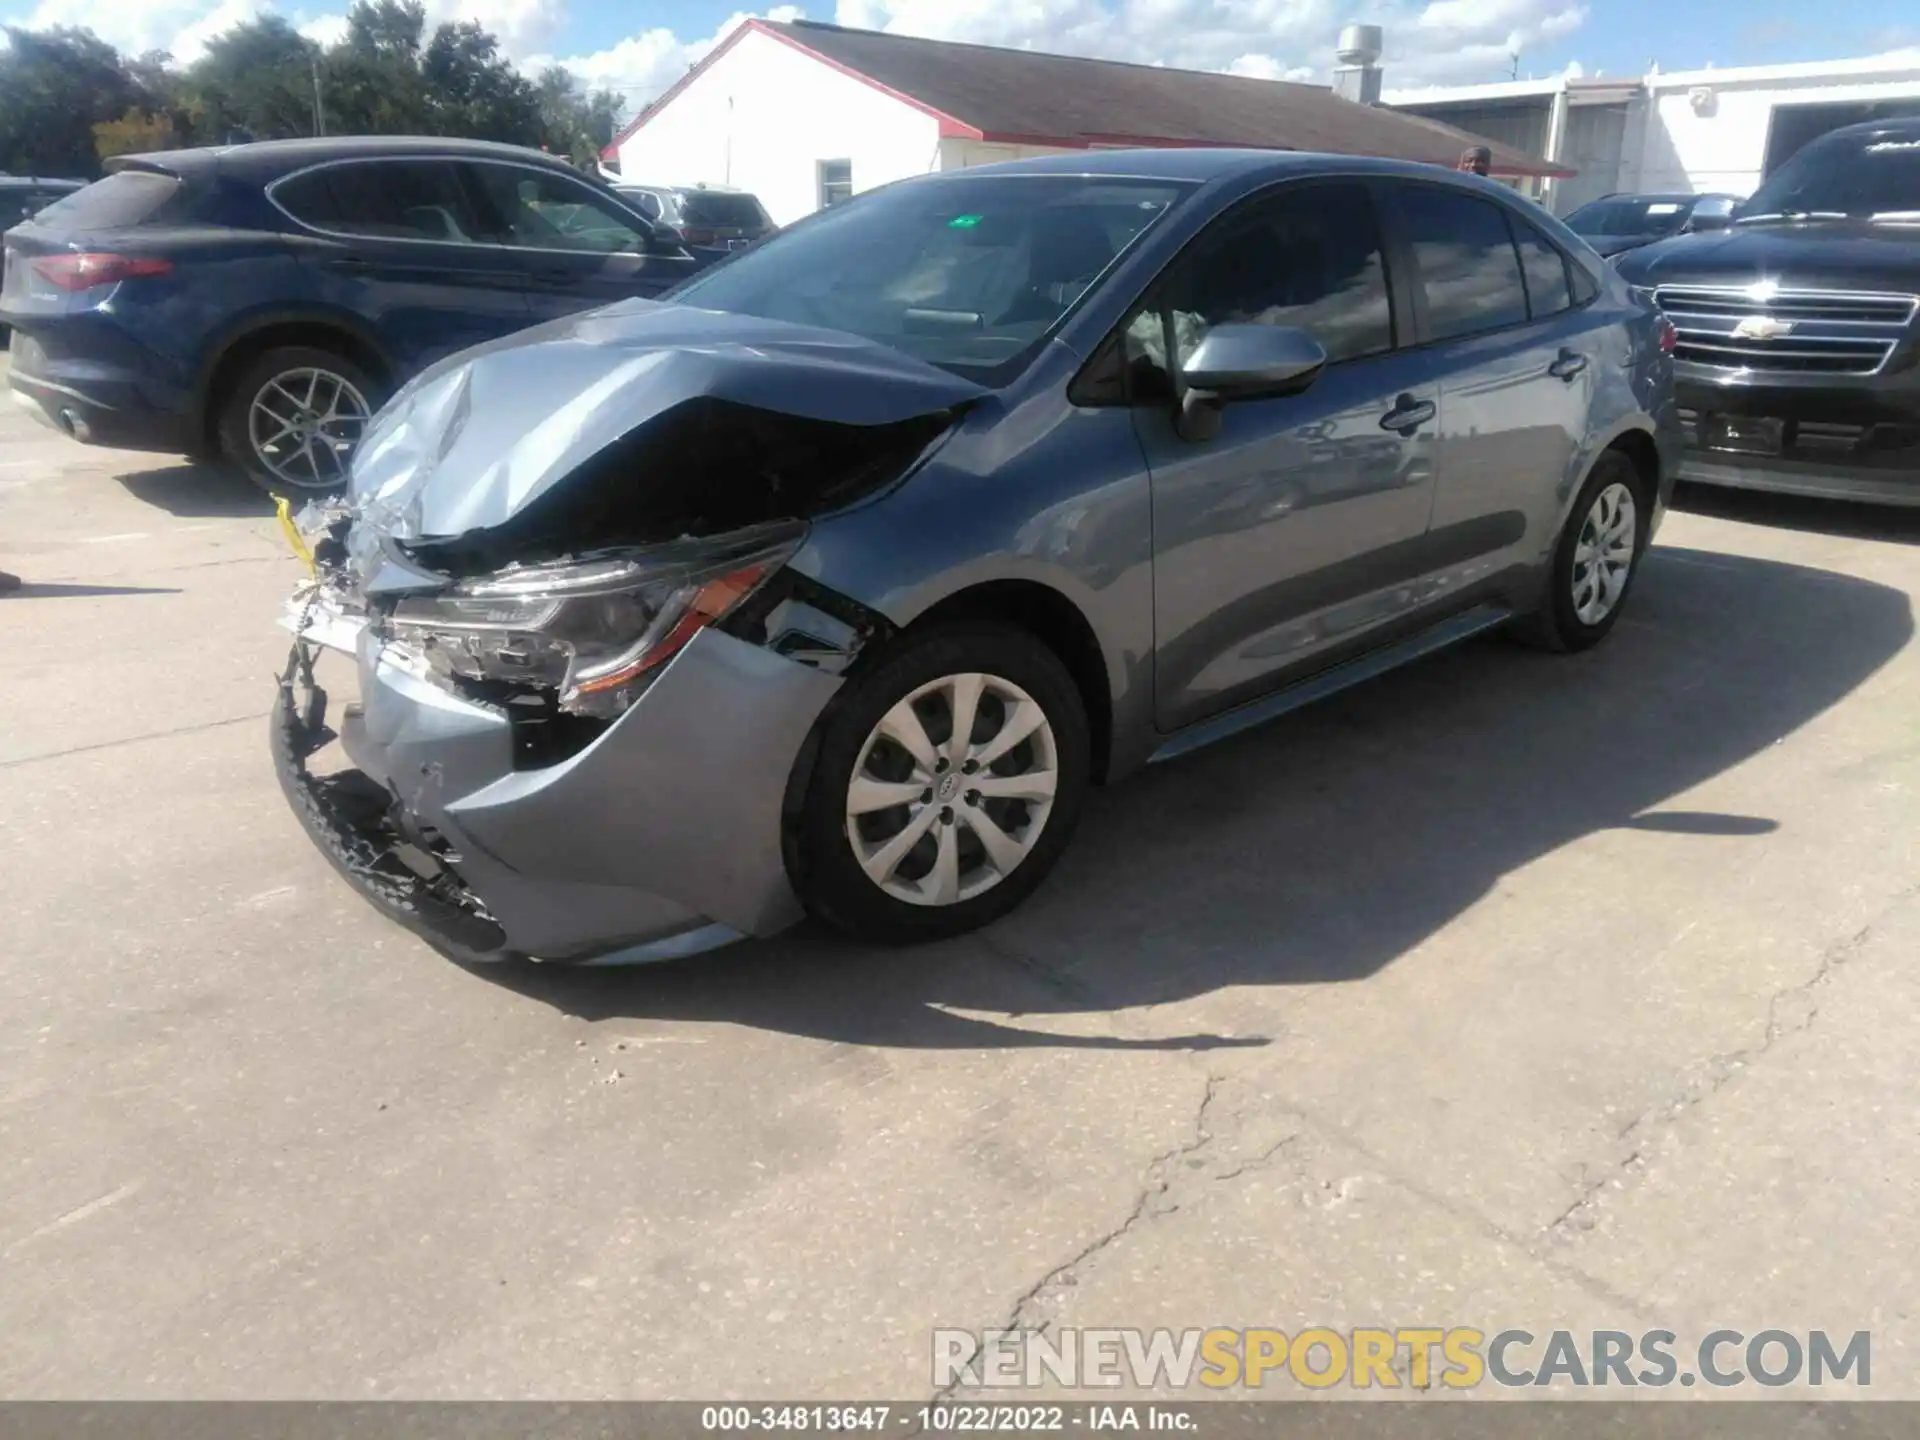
945	788
294	418
1596	560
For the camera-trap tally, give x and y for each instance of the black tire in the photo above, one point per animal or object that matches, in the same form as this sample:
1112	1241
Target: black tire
236	443
830	880
1557	624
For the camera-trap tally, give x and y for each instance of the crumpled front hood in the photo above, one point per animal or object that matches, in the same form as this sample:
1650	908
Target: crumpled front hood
473	441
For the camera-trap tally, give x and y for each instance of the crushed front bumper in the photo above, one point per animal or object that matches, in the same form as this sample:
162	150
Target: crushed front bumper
662	837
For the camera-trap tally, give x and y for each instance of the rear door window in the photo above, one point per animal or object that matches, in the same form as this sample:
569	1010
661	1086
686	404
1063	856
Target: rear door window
1466	261
123	199
1549	292
385	200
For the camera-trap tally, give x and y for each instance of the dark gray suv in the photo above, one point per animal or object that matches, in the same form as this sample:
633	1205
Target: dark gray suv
831	582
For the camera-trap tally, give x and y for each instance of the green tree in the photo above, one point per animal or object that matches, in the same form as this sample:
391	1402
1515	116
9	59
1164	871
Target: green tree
575	123
255	80
134	133
55	86
473	90
372	80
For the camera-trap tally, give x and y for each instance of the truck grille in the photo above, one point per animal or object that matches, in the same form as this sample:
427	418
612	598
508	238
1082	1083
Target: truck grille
1807	332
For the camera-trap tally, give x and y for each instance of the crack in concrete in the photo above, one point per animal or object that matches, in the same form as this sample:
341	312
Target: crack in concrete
1636	1139
133	739
1065	986
1152	1202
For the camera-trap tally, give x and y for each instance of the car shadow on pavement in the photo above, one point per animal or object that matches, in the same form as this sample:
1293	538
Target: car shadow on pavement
198	490
1320	848
1850	519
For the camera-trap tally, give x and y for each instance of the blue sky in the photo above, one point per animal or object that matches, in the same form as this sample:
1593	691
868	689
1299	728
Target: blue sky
640	46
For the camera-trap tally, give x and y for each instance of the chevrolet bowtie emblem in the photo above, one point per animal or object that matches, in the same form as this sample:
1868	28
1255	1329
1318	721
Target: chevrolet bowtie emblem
1762	327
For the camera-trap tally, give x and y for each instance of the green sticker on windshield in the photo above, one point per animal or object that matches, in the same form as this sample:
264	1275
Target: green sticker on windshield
964	222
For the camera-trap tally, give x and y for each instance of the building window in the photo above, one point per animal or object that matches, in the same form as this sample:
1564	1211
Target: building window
836	182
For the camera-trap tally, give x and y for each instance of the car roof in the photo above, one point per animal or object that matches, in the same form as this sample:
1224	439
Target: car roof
1202	165
684	189
1900	127
269	159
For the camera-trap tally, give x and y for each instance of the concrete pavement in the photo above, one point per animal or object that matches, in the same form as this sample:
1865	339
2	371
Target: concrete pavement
1509	990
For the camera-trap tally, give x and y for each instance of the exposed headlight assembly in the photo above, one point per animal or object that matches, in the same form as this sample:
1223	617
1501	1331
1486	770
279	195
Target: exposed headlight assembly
595	631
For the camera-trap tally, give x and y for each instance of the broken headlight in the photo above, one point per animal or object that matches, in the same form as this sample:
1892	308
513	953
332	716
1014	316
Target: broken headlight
593	630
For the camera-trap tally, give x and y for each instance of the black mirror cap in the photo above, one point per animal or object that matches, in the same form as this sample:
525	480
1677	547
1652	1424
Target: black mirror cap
1711	214
1253	362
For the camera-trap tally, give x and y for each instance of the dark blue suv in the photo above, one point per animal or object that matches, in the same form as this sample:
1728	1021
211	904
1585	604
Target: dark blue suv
260	301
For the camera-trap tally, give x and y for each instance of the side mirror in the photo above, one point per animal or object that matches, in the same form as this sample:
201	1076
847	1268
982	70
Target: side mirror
1710	215
1243	362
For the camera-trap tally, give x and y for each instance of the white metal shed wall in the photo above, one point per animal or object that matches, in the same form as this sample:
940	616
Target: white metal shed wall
764	115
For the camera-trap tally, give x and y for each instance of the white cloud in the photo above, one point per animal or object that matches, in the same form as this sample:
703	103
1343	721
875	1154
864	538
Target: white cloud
642	66
190	41
1427	41
325	29
524	26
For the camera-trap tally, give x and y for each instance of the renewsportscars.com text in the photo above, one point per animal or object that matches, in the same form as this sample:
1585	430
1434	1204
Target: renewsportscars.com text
1415	1357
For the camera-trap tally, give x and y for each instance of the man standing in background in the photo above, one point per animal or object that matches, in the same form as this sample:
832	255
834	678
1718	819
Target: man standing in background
1476	161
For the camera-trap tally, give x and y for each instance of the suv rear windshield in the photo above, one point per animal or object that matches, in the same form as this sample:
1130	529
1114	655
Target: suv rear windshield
968	274
1630	215
1853	175
124	198
706	208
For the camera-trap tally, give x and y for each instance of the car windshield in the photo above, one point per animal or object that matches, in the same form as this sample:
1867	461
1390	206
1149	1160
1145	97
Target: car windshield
707	208
1629	215
969	274
1842	175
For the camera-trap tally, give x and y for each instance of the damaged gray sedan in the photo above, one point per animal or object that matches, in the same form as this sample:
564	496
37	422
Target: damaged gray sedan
830	583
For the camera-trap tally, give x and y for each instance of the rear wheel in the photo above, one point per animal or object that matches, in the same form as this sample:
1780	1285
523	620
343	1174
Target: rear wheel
294	417
1596	560
946	788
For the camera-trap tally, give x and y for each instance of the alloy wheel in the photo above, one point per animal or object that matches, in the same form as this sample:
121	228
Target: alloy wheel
1603	554
952	789
303	426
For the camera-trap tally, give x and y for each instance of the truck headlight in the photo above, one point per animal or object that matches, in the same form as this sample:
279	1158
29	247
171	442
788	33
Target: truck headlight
595	631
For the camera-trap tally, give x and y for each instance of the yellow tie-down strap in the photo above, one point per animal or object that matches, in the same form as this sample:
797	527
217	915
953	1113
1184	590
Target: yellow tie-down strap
283	509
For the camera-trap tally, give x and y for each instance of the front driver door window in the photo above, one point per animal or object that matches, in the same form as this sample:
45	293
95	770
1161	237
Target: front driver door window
1295	529
578	246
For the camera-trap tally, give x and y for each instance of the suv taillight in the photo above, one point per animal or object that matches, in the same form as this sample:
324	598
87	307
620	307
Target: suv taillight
91	268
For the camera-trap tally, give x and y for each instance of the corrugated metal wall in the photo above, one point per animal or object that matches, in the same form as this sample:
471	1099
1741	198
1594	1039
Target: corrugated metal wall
1521	124
1595	140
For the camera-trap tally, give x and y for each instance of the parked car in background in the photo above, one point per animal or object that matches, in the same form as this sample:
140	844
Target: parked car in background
23	195
836	585
711	222
1798	366
1617	223
260	301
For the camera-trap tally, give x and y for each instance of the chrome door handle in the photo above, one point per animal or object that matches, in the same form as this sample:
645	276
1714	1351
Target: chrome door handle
1567	366
1407	415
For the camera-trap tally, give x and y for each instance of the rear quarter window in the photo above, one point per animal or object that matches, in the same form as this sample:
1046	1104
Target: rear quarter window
125	198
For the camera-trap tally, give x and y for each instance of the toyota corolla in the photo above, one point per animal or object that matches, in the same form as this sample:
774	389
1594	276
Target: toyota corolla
829	583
